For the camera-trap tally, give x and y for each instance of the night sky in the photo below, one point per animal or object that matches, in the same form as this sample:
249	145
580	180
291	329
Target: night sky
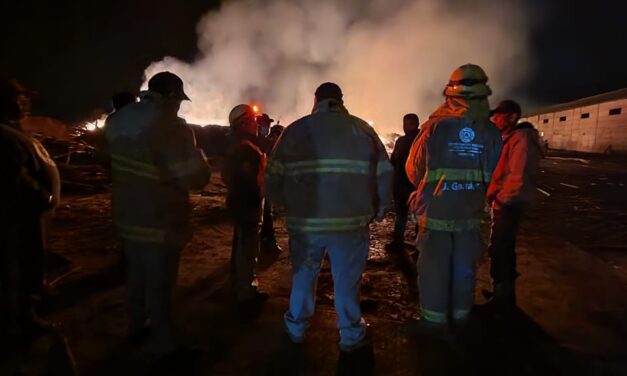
77	53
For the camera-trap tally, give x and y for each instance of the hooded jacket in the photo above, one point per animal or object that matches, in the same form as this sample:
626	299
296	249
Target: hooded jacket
154	165
451	164
516	176
330	171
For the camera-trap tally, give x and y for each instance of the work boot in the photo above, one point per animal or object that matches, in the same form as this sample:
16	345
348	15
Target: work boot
249	309
290	357
505	292
181	361
358	361
502	301
138	336
422	327
270	246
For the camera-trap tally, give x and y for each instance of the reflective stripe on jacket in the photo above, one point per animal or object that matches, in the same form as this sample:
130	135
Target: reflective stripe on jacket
154	165
451	163
330	171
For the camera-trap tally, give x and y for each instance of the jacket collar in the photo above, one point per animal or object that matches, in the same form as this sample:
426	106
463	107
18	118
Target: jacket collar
329	105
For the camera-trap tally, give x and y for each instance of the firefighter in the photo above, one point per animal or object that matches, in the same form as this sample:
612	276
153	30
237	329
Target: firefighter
154	165
402	186
332	174
451	164
121	100
118	101
509	195
29	191
243	176
266	144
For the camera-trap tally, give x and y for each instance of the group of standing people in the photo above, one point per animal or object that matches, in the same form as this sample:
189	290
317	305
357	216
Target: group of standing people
331	175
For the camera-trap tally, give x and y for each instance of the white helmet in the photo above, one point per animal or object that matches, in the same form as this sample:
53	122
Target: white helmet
238	111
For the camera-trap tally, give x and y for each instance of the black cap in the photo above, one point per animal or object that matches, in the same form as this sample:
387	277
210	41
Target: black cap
167	83
264	118
328	90
507	107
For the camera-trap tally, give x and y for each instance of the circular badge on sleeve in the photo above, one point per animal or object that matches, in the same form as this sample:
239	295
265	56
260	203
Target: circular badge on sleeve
466	135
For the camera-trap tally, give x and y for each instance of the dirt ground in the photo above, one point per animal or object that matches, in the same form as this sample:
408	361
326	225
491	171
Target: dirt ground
572	291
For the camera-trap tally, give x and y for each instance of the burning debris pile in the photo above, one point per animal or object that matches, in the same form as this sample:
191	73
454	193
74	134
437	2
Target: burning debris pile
73	148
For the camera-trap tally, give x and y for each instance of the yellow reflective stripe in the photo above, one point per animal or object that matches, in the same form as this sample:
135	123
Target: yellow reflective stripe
327	162
187	167
459	314
132	171
433	316
384	166
450	225
274	167
457	174
141	234
329	170
134	167
134	163
342	166
328	224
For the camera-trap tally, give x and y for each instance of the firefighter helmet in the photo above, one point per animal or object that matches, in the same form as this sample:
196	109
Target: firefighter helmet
468	81
238	112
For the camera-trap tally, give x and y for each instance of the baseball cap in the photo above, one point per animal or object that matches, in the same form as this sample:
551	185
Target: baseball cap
167	83
507	107
264	118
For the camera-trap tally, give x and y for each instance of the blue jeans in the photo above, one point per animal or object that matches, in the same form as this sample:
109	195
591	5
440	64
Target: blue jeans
348	252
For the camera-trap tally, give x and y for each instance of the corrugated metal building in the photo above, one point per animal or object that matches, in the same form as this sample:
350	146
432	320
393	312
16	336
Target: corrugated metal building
595	124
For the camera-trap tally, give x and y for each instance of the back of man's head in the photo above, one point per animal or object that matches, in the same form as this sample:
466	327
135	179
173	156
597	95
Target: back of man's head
328	90
508	107
122	99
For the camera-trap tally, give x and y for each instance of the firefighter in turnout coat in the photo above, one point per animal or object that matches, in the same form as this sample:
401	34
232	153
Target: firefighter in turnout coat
332	174
451	164
154	165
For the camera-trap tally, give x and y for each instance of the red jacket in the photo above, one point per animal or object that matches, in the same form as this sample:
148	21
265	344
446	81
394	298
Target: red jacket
516	176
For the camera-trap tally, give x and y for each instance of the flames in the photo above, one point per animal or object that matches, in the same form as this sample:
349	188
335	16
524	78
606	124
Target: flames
94	125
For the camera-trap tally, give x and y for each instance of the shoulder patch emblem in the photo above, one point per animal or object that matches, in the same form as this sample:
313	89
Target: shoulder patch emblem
466	135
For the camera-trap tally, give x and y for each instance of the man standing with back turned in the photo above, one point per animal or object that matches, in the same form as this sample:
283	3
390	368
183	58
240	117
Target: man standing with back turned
332	174
451	164
154	165
402	186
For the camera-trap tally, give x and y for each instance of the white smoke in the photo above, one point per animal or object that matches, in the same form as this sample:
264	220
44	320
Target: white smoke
390	57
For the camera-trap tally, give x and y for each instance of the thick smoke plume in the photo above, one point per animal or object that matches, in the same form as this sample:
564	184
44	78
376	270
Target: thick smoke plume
389	56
